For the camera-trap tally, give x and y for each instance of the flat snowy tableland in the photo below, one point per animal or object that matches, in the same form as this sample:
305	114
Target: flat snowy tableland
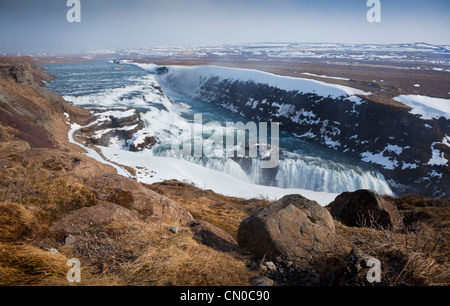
190	79
427	107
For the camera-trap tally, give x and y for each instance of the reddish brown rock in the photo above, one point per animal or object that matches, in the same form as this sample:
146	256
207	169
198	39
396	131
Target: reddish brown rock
100	214
212	236
132	195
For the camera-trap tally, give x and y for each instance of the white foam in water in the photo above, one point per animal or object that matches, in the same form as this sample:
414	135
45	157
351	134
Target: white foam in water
317	174
121	96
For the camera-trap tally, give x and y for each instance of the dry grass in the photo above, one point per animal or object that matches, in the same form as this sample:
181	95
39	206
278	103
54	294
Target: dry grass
181	261
224	212
125	254
146	254
26	265
16	222
49	198
417	256
22	264
112	254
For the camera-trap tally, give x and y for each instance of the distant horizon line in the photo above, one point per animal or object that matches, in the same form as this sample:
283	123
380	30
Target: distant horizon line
86	52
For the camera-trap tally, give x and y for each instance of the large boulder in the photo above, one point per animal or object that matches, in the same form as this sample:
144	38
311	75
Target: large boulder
130	194
293	227
365	208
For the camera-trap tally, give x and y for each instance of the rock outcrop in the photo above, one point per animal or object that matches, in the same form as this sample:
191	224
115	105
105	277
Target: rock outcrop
212	236
21	74
132	195
31	113
100	214
147	143
293	226
365	208
23	71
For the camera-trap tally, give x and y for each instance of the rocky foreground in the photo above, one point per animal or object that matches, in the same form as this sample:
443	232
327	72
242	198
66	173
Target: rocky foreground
57	204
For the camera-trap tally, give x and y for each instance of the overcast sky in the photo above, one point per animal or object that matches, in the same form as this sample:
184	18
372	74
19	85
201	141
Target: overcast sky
32	26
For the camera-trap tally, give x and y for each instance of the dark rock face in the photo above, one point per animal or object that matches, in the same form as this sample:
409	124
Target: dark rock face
358	129
34	135
162	70
20	72
362	207
283	272
122	129
293	227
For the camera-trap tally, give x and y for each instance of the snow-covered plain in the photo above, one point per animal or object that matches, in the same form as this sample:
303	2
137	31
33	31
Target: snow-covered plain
415	53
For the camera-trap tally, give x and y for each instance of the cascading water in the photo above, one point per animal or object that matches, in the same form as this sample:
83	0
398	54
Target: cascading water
320	169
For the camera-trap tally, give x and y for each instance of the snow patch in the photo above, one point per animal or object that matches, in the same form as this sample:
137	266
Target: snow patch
91	152
356	100
437	158
446	141
325	76
434	173
330	143
409	166
394	148
284	110
428	107
385	161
